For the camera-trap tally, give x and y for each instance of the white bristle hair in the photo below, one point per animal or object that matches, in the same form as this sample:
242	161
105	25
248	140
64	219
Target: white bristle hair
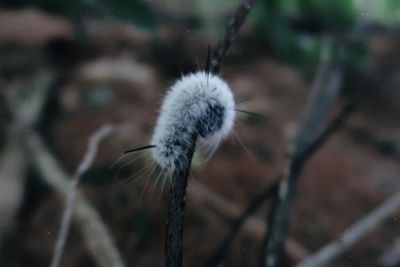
199	103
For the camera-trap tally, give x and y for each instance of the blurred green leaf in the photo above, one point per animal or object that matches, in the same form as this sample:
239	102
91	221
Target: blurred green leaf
133	11
388	11
136	12
334	15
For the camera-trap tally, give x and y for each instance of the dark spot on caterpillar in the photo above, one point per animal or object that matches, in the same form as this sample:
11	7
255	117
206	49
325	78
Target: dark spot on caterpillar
212	120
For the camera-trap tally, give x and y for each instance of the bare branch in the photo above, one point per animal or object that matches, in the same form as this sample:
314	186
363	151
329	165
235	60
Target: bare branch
12	172
321	98
324	89
254	227
176	206
93	228
391	256
354	233
235	225
94	142
232	29
176	210
24	102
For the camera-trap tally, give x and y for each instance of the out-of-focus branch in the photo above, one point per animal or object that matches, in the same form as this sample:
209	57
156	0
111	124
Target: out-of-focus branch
324	89
93	228
320	100
325	72
26	108
12	172
386	146
254	227
235	225
94	142
354	233
391	256
24	105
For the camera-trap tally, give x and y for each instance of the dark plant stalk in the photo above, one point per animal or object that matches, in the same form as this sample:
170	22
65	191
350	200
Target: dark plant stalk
177	198
176	211
270	191
234	24
323	94
279	214
235	225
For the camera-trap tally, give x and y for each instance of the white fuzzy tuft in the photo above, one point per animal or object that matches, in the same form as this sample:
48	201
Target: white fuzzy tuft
198	103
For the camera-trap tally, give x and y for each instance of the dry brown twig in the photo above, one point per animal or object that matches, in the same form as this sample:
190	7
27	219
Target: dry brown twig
26	114
94	230
24	107
354	233
321	98
90	154
254	227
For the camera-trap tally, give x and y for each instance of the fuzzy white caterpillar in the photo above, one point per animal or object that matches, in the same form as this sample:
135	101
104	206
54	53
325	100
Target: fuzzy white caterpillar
198	104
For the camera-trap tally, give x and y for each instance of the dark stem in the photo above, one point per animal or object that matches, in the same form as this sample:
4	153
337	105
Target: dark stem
280	213
270	216
219	253
176	211
318	142
232	29
278	218
321	97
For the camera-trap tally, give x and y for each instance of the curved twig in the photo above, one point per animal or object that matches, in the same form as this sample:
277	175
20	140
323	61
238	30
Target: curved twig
85	164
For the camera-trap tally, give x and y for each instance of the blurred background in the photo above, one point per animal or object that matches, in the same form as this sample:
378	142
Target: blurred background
69	67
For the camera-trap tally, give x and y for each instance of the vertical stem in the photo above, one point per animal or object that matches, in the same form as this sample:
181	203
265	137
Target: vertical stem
176	211
278	218
325	88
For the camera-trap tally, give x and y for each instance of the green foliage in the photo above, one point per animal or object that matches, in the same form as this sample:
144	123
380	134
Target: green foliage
333	15
271	25
131	11
276	22
388	11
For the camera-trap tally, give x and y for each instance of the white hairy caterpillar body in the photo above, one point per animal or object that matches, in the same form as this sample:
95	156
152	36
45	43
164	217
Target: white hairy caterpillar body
200	103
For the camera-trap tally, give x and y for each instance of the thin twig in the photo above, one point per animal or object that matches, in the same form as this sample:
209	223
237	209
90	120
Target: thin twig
95	232
354	233
324	89
12	171
210	203
176	210
94	142
24	102
387	146
235	225
319	141
325	99
319	102
232	29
